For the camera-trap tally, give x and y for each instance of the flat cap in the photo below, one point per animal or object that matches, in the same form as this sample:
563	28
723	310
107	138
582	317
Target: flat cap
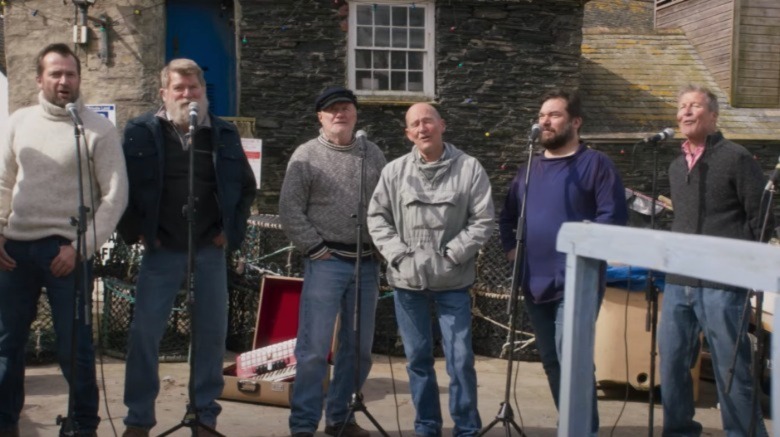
332	95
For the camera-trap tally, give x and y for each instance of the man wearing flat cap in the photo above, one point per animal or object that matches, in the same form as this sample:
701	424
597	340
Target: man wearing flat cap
318	206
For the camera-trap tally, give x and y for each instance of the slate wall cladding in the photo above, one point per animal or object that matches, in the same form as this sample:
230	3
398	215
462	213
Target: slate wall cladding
494	60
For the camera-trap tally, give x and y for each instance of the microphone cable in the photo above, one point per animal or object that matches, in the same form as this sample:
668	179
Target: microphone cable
627	391
395	394
514	390
390	360
99	348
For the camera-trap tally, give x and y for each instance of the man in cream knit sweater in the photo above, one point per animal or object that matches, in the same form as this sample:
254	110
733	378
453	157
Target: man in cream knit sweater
38	195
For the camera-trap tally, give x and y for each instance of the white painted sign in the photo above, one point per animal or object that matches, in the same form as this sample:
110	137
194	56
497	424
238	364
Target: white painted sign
107	110
253	148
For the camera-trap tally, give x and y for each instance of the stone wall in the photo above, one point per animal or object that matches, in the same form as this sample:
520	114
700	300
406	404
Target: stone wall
130	78
494	60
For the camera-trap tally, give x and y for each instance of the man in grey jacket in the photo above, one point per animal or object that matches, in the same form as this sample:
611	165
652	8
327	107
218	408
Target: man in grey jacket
430	214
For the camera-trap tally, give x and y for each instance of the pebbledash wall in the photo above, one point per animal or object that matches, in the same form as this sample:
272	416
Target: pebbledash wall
129	75
493	61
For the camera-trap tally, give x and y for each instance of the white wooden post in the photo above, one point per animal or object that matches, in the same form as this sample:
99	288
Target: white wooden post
734	262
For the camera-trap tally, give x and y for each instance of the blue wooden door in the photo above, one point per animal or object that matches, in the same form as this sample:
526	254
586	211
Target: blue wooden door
203	30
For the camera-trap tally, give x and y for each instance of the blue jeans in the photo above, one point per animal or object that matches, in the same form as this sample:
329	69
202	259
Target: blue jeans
20	290
159	281
329	291
547	321
413	313
686	312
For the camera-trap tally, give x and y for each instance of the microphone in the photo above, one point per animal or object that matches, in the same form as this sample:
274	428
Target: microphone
771	183
535	131
193	115
360	136
660	136
74	115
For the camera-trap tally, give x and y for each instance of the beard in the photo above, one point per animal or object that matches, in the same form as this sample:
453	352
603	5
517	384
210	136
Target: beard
54	98
179	112
559	139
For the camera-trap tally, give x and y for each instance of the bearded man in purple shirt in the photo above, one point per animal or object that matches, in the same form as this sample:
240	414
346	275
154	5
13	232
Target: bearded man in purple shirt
568	182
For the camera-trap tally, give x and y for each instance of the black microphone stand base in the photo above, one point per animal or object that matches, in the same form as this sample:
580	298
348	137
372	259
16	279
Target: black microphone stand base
506	417
355	405
191	421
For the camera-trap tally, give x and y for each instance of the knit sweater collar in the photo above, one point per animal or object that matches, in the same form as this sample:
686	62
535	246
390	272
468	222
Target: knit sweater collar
325	142
54	112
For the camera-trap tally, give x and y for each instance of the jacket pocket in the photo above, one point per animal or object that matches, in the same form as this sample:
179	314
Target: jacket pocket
430	209
142	162
408	273
441	273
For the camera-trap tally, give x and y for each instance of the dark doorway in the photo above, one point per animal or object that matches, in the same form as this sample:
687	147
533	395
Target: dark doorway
204	31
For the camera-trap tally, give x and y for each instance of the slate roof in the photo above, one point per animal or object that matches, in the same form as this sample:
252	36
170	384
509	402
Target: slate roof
630	81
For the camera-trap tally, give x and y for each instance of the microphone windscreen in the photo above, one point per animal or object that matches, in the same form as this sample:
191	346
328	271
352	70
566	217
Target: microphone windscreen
535	131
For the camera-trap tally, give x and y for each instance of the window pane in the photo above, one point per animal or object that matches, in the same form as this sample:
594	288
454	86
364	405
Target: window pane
398	60
390	47
399	37
364	14
363	80
415	60
417	16
415	81
398	82
380	59
399	16
381	15
382	35
362	58
416	38
381	76
364	36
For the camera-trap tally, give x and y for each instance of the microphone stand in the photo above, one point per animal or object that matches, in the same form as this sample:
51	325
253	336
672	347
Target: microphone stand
191	419
758	352
505	414
356	402
69	425
651	295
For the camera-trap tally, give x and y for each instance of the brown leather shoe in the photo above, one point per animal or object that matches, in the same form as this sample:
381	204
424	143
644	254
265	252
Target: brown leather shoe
134	431
351	430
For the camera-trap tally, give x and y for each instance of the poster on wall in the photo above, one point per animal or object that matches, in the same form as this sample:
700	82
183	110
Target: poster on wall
253	148
107	110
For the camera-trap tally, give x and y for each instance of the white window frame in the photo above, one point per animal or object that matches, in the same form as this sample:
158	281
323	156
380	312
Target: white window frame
428	91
